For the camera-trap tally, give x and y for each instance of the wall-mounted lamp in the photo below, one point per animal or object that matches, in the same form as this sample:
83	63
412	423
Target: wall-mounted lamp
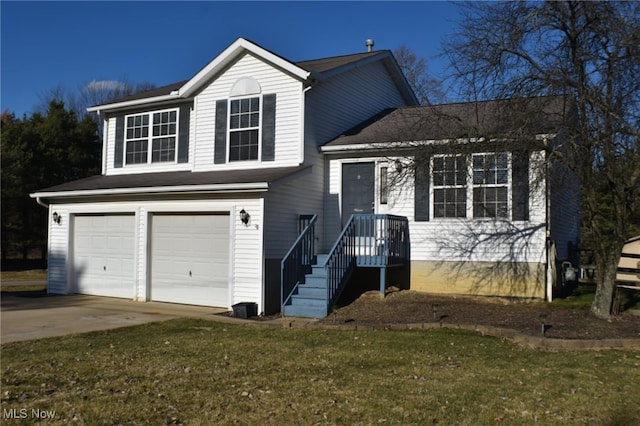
399	166
57	218
244	216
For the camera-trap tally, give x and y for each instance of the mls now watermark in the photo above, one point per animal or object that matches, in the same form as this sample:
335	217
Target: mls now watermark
26	413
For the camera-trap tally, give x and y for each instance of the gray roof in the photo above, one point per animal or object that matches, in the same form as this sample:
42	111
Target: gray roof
329	64
151	93
316	65
227	178
489	119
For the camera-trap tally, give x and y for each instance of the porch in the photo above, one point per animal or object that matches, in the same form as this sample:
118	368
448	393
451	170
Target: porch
311	284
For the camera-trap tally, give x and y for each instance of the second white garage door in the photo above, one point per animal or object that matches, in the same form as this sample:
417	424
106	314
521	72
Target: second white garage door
190	259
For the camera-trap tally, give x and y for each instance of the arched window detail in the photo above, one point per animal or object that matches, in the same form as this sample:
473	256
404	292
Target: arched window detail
245	86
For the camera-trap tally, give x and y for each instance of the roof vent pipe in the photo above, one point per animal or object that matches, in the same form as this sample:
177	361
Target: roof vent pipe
369	44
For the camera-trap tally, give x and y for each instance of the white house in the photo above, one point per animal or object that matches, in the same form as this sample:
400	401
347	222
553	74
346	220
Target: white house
204	184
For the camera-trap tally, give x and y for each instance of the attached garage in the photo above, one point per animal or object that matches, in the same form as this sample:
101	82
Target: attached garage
104	255
190	259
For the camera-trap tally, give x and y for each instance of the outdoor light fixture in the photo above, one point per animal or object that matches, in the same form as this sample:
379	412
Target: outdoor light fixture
57	218
399	166
244	216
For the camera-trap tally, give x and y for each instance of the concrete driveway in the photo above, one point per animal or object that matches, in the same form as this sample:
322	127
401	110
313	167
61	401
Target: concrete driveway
25	318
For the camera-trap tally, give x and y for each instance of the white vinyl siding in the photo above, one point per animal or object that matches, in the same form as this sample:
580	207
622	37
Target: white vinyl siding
564	192
335	106
346	100
288	121
447	240
300	195
58	251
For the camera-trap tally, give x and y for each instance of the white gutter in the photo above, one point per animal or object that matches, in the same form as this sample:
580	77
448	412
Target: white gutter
39	201
185	189
381	145
163	98
414	144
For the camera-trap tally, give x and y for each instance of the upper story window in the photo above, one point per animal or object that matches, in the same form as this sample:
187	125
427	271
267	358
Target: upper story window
156	131
450	186
244	129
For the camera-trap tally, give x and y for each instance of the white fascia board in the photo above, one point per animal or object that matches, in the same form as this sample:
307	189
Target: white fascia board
413	144
228	55
136	102
182	189
382	145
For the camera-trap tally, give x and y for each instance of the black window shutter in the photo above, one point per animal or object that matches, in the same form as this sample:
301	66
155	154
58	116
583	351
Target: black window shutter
183	134
119	146
269	127
220	142
421	208
520	185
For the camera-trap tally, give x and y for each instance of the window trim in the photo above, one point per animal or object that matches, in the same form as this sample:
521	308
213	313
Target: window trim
434	187
470	186
150	138
506	185
383	184
231	130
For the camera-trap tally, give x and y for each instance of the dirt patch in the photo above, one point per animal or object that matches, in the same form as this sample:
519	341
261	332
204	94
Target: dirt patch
526	317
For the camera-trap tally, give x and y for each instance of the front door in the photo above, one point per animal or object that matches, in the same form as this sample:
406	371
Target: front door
357	189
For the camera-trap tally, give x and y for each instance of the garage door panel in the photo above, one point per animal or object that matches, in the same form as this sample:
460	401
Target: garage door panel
103	259
190	258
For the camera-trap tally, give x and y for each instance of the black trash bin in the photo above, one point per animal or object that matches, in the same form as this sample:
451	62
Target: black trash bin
245	310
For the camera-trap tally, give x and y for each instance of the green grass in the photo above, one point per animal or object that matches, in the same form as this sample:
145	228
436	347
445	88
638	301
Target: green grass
199	372
580	297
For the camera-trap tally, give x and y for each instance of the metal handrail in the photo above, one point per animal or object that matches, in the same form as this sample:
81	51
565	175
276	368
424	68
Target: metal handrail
298	259
366	240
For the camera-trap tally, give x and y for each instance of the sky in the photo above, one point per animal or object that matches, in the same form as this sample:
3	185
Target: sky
44	45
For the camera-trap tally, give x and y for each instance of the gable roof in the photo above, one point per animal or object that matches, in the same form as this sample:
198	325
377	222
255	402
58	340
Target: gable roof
304	70
181	181
329	64
483	119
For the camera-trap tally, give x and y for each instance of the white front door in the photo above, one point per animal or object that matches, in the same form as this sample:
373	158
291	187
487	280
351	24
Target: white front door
103	255
190	259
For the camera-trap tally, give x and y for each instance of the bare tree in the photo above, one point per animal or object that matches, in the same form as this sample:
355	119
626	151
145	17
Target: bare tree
427	88
588	51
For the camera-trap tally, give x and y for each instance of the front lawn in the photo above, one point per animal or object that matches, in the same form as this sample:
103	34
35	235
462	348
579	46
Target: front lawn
200	372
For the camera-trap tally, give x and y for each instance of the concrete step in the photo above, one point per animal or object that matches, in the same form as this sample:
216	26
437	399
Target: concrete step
305	311
308	300
316	291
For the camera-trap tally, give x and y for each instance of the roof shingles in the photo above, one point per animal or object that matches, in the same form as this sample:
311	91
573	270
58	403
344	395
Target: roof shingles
174	179
459	120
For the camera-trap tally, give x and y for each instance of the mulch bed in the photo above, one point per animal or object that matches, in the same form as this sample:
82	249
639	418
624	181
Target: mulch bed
525	317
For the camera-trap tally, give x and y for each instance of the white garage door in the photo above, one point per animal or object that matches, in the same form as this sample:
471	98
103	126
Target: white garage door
103	255
190	259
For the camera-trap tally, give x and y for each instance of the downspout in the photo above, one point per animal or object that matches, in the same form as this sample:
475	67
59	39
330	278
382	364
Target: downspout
46	206
549	246
39	201
105	137
302	123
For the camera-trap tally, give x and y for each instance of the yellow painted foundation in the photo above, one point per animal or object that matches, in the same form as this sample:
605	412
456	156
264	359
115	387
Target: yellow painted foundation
526	280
